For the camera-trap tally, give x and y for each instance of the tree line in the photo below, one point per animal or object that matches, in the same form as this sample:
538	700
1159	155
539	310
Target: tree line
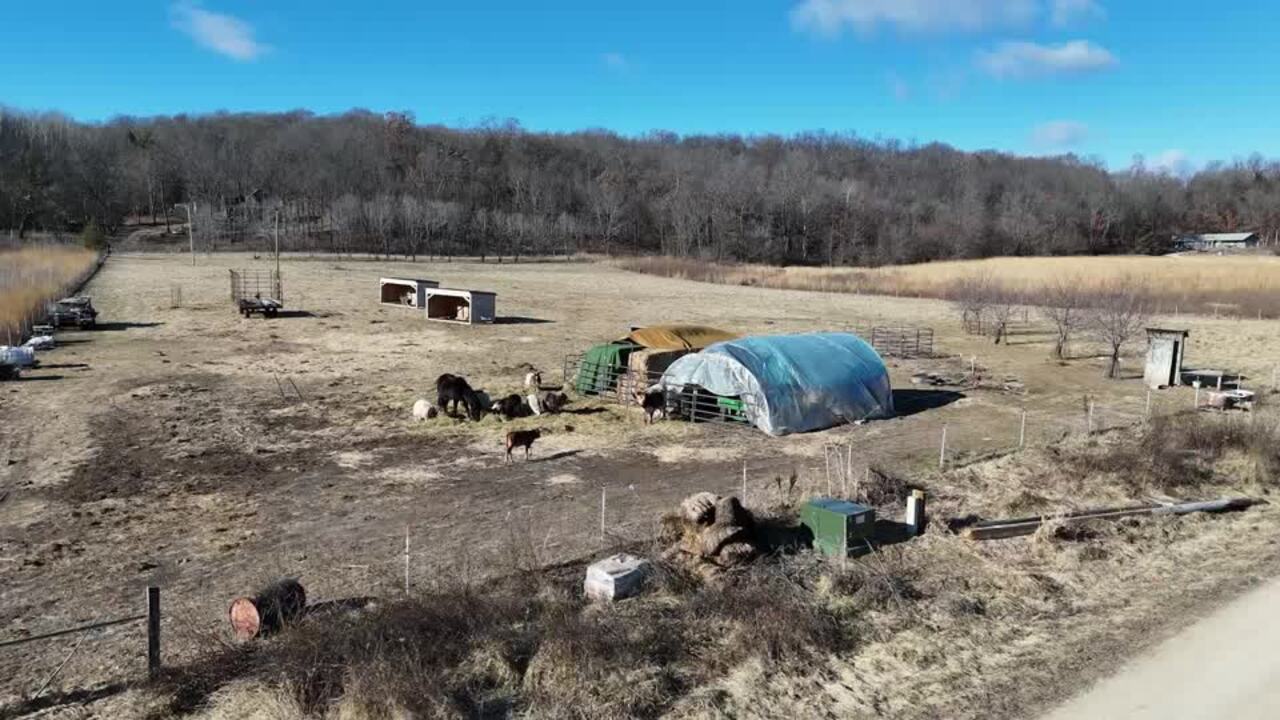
365	182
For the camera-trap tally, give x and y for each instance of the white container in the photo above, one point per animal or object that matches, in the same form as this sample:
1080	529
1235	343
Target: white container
615	577
17	356
40	342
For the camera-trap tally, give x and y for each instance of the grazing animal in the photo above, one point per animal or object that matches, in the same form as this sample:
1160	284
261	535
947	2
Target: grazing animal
521	438
513	406
452	390
424	410
553	402
654	402
533	380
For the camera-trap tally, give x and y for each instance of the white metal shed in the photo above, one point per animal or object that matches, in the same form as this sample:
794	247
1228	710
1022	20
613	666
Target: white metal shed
461	306
404	292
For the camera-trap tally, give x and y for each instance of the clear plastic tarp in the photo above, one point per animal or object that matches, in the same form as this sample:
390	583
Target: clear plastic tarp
792	383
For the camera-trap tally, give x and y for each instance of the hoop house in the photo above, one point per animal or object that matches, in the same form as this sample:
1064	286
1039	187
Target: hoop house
792	383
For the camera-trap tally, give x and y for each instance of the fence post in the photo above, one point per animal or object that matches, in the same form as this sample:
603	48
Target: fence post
1022	430
603	490
1147	412
1089	431
406	559
942	452
1197	398
153	631
744	482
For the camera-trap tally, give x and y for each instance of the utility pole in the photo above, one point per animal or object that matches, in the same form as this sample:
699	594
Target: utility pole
277	247
191	229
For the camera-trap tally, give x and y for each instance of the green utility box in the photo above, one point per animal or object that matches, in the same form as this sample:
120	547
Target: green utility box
837	525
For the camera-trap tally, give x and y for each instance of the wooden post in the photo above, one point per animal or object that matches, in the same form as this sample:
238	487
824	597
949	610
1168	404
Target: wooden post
1090	428
942	451
744	482
1022	431
1197	398
1147	412
153	631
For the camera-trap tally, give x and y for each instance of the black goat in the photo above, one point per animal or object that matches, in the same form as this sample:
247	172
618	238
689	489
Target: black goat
452	390
513	406
654	402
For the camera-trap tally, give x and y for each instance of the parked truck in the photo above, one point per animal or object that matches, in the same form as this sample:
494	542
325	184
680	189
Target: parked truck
75	311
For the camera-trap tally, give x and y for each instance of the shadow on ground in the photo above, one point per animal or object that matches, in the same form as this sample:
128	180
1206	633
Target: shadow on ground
910	402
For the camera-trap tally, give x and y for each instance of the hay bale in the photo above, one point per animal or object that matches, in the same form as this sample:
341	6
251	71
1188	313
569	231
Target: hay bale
713	539
730	513
700	508
736	553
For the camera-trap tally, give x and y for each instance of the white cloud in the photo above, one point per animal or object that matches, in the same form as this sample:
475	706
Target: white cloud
899	87
615	61
1173	162
1069	12
224	34
1059	134
1025	59
829	17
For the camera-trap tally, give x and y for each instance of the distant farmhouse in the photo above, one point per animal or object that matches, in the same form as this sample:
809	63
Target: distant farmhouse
1218	241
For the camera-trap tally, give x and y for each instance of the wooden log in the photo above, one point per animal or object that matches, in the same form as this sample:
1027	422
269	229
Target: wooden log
275	606
998	529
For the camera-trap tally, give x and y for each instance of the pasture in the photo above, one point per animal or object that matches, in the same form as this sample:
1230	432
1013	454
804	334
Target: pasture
184	445
1216	285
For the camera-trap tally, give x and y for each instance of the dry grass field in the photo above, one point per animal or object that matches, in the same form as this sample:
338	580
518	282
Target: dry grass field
31	277
190	448
1239	285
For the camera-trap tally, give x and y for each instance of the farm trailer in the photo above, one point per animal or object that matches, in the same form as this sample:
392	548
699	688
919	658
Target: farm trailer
257	291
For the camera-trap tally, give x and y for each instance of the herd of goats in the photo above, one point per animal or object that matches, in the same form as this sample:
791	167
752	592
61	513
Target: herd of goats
454	392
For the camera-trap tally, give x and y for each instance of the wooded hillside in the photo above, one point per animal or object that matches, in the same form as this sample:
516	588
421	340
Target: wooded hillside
367	182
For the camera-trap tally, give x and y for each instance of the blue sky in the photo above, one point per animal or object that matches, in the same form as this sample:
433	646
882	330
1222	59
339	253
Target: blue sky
1181	82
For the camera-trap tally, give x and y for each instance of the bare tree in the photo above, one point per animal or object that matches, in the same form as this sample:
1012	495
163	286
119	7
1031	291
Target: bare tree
971	297
1120	312
1000	308
1065	308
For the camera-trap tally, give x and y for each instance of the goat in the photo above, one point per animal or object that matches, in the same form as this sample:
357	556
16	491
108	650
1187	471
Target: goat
513	406
452	390
654	402
521	438
533	380
553	402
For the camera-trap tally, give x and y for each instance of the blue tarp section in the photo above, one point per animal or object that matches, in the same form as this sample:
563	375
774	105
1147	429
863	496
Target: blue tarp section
792	383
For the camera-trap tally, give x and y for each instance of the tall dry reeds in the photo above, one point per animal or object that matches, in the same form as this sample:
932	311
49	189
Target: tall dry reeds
31	277
1238	286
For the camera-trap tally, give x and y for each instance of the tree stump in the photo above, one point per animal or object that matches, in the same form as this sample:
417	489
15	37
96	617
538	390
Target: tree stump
275	606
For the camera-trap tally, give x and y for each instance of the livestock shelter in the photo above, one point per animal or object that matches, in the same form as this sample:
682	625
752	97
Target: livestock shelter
786	384
461	306
1165	349
638	359
1218	241
404	292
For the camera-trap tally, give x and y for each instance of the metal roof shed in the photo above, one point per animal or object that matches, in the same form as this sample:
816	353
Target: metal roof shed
461	306
404	292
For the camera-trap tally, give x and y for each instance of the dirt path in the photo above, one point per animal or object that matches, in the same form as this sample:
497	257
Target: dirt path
1226	665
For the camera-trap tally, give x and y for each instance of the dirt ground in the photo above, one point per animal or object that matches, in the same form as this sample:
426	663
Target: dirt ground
190	448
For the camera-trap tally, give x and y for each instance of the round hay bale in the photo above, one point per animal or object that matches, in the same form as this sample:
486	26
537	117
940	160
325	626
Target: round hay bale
736	553
730	513
715	538
275	606
700	507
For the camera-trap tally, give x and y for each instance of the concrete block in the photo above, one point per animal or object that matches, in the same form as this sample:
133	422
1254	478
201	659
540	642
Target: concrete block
616	577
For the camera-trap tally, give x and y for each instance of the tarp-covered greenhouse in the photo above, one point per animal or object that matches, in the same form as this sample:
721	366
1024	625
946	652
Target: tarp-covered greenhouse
792	383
